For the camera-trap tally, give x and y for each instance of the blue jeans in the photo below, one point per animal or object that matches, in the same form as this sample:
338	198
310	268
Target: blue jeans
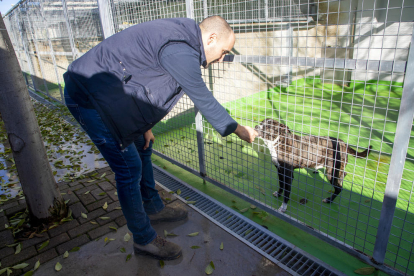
133	172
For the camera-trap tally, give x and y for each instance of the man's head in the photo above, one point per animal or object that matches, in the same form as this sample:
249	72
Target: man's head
218	38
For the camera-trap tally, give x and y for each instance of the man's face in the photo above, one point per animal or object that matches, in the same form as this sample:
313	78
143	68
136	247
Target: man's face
215	49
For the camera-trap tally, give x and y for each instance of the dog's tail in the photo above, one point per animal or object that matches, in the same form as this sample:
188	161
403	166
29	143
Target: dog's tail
361	154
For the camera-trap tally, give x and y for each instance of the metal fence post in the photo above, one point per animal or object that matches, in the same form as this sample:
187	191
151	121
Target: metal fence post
70	34
29	60
107	20
38	53
399	153
198	117
52	53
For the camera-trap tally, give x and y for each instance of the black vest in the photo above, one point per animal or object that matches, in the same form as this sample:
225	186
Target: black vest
122	77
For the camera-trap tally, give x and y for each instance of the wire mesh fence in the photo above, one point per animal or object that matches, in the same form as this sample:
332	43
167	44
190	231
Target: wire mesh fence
334	74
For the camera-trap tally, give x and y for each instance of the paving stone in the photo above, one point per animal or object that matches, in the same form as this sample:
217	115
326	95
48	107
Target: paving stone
102	230
111	178
77	208
63	228
63	186
166	197
73	198
93	215
42	258
106	186
83	190
16	209
6	251
121	221
112	215
76	242
112	195
112	206
3	222
96	193
15	259
89	184
6	237
86	199
75	183
82	229
9	205
77	187
34	241
99	203
53	242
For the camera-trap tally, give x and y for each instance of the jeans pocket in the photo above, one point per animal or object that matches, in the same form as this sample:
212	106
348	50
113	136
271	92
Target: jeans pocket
74	109
98	142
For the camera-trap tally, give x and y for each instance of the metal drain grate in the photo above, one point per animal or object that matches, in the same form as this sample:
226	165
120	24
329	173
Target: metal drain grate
279	251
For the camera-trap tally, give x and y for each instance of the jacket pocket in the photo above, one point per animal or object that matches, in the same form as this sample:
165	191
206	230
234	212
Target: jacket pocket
128	113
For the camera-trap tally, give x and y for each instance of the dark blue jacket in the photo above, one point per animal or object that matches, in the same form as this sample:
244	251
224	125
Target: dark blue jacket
122	77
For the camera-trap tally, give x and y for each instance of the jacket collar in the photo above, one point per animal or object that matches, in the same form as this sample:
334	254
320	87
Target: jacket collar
203	60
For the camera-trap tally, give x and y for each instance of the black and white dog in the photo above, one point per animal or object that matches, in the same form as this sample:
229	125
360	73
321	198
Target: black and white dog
290	151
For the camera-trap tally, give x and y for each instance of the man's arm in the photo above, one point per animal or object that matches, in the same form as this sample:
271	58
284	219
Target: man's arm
182	62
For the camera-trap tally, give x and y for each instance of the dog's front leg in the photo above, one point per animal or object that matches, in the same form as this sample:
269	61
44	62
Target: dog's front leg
285	180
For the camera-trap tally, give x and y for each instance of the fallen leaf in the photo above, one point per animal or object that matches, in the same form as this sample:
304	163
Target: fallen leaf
209	268
18	249
365	270
221	246
84	215
128	257
127	237
46	243
37	264
66	255
193	234
58	266
178	192
247	232
161	263
113	228
87	192
244	210
104	218
93	222
252	206
74	249
105	206
122	250
28	273
102	194
195	247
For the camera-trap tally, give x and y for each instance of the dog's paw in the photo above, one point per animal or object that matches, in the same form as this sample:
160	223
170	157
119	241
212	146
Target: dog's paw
281	209
327	200
276	194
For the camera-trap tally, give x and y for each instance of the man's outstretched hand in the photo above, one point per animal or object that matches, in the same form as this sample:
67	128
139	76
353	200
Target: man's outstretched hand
246	133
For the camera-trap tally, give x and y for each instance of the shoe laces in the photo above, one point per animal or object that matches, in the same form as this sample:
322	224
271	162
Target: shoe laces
160	241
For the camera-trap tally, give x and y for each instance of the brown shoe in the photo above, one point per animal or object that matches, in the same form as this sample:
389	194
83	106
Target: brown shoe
160	249
171	212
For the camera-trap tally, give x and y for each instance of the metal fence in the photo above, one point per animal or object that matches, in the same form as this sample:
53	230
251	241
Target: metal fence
342	69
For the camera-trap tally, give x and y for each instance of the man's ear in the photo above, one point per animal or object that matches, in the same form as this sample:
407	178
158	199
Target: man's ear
212	38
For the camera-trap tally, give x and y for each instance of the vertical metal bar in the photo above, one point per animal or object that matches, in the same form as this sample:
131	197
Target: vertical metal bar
68	27
205	8
29	60
107	20
38	54
200	141
52	53
266	10
189	7
399	153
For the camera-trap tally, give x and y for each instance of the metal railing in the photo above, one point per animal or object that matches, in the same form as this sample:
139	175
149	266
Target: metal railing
342	69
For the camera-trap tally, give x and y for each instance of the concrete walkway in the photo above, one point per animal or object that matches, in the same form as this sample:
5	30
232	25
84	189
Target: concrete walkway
96	258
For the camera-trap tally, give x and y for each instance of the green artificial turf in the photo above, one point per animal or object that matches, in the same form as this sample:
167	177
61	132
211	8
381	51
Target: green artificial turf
363	114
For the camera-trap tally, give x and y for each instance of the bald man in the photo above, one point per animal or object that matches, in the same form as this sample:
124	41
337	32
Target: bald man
123	86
